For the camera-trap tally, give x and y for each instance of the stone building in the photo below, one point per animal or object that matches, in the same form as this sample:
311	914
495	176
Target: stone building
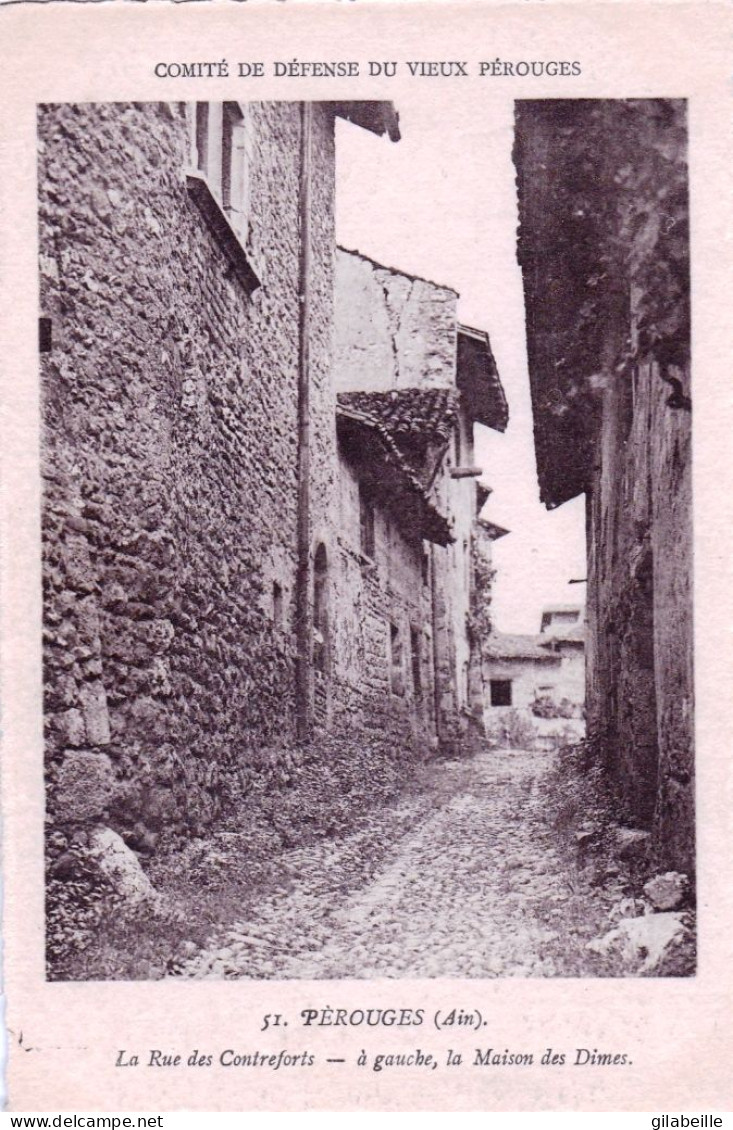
563	631
189	446
603	247
411	384
517	670
244	578
542	676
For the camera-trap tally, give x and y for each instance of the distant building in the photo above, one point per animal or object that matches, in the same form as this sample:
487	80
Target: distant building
560	617
563	630
517	670
544	674
604	250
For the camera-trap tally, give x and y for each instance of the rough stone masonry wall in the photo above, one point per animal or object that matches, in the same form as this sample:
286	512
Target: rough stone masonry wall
396	331
640	674
324	475
622	686
640	669
372	595
460	698
169	448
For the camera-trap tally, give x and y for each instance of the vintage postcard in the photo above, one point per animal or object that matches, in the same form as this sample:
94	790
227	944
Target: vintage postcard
365	519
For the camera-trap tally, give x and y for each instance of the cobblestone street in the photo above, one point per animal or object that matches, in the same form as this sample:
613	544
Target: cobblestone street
463	880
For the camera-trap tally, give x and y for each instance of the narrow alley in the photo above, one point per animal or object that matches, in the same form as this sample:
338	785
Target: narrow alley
467	878
292	726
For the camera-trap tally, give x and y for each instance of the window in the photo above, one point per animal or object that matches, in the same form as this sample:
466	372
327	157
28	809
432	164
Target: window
202	137
501	692
45	335
397	679
416	661
277	604
320	610
366	522
425	569
219	179
235	168
221	157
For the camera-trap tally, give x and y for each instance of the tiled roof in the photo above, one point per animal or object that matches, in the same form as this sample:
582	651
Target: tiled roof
413	415
501	645
564	633
384	469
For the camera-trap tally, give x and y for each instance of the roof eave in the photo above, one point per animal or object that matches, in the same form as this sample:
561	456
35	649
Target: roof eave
428	427
478	379
377	117
494	532
398	487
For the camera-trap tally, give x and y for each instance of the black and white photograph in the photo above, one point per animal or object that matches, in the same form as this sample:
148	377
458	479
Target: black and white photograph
367	540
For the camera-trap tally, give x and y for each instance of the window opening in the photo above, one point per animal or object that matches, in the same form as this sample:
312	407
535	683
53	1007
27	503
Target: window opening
202	136
320	610
222	158
397	678
501	692
416	661
366	523
277	604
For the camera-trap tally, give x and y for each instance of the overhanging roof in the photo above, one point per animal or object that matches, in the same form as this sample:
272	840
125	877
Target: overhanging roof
592	176
494	532
478	379
482	495
414	416
571	635
558	249
377	117
386	473
501	645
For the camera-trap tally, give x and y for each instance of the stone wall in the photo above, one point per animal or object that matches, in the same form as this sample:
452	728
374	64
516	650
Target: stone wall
640	506
394	331
640	679
571	683
374	692
604	219
169	448
454	579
